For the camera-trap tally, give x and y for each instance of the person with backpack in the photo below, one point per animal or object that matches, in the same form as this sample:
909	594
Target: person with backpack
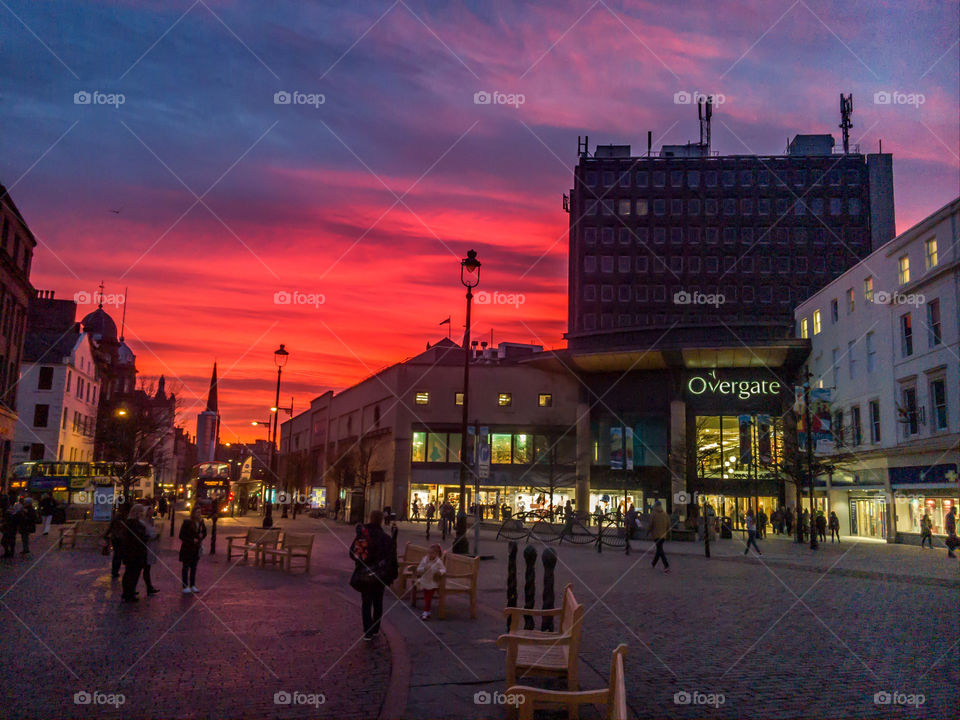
113	538
192	533
375	567
134	552
27	524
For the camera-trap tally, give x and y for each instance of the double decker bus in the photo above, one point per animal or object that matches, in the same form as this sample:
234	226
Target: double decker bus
211	487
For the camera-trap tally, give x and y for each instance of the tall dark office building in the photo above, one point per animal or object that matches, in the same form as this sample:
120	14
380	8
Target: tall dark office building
686	246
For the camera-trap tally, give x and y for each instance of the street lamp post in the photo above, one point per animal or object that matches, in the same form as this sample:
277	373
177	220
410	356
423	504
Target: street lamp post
276	411
470	278
806	410
280	357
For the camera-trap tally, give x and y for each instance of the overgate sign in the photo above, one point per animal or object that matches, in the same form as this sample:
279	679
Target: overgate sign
742	389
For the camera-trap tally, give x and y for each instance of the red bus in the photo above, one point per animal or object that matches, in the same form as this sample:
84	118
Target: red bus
211	487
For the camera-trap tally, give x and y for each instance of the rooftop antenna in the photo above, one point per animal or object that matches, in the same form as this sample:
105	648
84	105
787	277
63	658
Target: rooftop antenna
846	110
100	297
705	112
123	316
583	146
649	142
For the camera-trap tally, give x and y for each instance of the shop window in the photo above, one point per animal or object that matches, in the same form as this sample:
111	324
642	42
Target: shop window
505	399
422	397
453	447
500	450
522	449
418	447
436	447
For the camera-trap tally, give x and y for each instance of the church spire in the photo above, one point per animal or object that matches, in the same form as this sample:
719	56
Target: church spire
212	396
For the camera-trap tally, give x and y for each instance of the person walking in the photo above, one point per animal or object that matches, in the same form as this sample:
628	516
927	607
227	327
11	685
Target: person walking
631	521
659	527
8	524
821	524
926	530
375	567
834	525
950	524
192	533
751	523
428	573
162	507
415	506
788	520
27	524
114	535
153	542
46	512
134	552
761	523
805	525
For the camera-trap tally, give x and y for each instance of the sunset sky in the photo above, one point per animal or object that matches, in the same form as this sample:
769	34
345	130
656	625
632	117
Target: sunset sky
368	201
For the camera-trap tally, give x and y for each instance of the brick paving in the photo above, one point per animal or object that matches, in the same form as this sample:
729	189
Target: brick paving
884	618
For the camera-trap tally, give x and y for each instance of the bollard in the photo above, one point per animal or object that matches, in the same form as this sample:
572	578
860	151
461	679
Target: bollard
428	528
549	559
213	534
511	577
529	584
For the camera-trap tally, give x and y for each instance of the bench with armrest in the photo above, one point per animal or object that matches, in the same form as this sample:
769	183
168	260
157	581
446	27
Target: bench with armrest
292	545
71	532
254	540
460	578
614	697
407	565
533	653
515	614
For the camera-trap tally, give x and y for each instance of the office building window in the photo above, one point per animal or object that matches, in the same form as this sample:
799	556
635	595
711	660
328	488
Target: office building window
589	263
606	293
590	235
856	430
606	263
458	397
874	421
642	179
624	207
851	304
871	352
625	179
930	252
422	397
45	378
933	322
804	331
909	416
903	264
710	206
607	207
624	236
938	403
676	207
836	206
853	206
906	335
868	289
40	415
608	178
838	428
659	207
676	178
545	400
623	263
835	358
816	322
659	178
693	178
851	360
505	399
642	207
834	311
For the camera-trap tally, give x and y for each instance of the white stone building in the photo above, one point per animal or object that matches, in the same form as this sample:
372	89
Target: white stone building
886	338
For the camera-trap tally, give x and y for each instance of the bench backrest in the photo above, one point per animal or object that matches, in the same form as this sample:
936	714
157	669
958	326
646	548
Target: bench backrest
617	693
571	620
255	535
414	553
297	540
460	566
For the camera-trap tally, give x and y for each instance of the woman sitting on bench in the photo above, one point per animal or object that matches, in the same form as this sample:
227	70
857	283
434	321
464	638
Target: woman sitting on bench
428	578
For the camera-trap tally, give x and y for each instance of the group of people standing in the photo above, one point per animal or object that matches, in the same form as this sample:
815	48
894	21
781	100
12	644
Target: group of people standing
19	517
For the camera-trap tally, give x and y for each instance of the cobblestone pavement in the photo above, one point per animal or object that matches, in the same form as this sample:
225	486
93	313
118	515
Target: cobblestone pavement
791	634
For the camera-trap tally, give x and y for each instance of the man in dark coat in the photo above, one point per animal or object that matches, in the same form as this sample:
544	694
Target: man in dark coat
27	524
134	552
381	558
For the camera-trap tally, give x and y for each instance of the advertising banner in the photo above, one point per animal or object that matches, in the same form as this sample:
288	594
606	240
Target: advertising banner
823	440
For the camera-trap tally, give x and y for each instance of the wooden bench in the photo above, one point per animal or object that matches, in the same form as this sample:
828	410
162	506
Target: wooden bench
515	614
70	532
407	565
614	698
539	654
460	578
255	539
292	545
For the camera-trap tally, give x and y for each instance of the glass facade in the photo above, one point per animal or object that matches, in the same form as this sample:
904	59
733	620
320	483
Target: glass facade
910	510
